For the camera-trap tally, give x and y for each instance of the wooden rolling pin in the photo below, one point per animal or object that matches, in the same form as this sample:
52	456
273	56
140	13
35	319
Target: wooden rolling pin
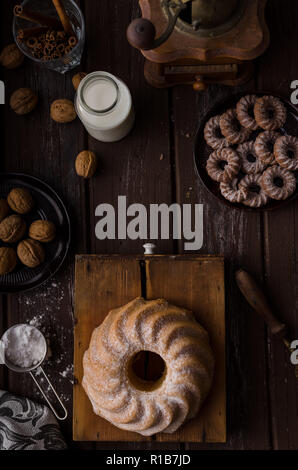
256	298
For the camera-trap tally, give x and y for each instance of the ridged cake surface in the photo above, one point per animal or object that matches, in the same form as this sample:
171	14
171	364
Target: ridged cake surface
139	406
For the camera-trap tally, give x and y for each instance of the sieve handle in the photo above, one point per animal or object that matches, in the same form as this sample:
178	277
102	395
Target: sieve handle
40	370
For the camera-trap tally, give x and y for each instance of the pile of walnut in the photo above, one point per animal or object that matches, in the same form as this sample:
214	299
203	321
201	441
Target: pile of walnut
27	247
252	161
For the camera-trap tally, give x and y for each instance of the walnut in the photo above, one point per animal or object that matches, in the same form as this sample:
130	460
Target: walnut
20	200
11	57
12	229
31	253
8	260
23	101
63	111
4	209
86	163
43	231
77	78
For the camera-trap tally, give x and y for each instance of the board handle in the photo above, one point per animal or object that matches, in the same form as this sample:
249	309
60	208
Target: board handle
256	298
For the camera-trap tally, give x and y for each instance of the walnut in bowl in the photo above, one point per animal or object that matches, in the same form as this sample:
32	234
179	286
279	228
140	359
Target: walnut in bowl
20	200
43	231
31	253
12	229
8	260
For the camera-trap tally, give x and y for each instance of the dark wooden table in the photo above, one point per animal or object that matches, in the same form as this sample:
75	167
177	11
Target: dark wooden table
154	164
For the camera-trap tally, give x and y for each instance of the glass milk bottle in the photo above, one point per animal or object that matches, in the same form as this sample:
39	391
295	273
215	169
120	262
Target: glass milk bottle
104	105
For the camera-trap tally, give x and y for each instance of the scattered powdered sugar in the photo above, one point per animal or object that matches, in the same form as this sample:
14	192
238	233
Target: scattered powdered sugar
68	373
53	295
24	346
37	321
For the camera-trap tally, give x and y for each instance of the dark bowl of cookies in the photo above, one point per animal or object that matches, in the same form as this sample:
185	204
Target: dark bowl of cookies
246	151
34	232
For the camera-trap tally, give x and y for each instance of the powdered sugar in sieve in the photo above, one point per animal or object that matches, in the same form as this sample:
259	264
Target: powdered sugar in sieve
24	346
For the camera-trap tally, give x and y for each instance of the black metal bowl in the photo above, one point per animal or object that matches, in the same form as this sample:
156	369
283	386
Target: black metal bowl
48	206
202	150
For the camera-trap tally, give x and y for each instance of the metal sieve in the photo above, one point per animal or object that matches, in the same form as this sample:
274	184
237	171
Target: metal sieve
35	371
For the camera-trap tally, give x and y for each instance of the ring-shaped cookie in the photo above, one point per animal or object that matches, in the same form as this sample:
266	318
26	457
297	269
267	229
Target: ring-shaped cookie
257	197
270	113
250	162
232	129
264	146
213	135
245	112
278	182
232	192
223	165
286	152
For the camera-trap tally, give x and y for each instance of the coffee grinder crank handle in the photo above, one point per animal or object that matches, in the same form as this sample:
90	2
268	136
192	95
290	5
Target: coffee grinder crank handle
256	298
141	32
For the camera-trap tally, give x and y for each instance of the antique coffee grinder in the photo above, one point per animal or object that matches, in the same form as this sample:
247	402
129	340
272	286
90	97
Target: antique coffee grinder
199	41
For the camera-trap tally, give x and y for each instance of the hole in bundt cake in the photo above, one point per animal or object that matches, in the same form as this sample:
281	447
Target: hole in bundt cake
290	153
250	157
146	370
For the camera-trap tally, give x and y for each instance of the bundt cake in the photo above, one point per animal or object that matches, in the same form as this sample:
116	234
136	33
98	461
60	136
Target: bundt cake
134	403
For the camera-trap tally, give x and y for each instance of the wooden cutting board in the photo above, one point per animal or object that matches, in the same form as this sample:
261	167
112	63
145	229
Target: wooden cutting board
104	282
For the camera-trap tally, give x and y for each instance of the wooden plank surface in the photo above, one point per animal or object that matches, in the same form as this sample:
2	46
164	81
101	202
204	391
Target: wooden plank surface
195	283
139	166
238	237
280	240
198	285
36	145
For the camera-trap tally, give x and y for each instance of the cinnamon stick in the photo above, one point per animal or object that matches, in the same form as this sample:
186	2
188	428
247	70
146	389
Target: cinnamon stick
63	17
35	17
30	32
